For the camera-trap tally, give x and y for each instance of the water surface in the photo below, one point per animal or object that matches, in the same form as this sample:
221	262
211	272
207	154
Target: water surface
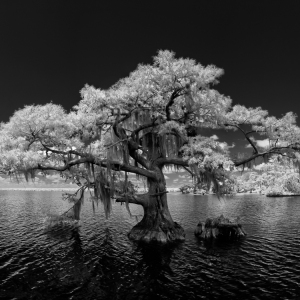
97	261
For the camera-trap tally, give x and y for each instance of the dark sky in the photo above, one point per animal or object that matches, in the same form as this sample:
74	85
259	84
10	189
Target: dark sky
50	49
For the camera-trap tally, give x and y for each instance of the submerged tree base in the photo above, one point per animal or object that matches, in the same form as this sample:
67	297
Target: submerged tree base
162	235
220	227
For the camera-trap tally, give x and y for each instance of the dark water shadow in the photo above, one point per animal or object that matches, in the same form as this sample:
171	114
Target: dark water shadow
62	232
220	245
101	271
154	259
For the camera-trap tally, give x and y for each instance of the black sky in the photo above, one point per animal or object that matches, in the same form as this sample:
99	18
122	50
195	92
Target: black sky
50	49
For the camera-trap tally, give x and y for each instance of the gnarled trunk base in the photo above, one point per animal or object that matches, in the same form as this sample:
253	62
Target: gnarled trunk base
157	226
219	228
169	235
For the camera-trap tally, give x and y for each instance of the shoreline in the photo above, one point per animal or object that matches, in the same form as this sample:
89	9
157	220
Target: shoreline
76	188
37	189
170	191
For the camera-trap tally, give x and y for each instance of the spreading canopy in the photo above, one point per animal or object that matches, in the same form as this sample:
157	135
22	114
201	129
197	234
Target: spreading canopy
144	122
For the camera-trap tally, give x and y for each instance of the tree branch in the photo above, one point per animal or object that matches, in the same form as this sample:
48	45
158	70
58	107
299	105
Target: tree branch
131	144
252	157
115	165
63	152
65	167
246	136
172	161
174	95
188	170
137	157
118	166
274	150
145	126
139	199
254	131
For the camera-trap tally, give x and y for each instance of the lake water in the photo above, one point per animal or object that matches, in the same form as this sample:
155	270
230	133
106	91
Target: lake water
97	261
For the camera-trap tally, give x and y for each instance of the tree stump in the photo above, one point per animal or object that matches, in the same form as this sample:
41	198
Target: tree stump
219	227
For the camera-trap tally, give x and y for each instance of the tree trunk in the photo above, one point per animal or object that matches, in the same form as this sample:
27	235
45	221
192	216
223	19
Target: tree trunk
157	223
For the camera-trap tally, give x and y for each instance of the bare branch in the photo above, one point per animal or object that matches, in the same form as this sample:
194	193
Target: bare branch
172	161
256	131
115	165
145	126
246	136
118	166
274	150
188	170
63	152
252	157
139	199
65	167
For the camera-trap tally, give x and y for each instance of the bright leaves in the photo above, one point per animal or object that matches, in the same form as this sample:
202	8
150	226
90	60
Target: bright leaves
206	153
150	117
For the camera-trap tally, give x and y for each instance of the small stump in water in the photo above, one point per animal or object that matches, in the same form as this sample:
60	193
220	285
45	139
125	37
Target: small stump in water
220	227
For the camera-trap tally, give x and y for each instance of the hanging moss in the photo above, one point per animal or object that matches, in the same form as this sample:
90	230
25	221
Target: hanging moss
93	172
88	167
296	165
32	174
25	175
125	153
77	205
103	192
153	144
167	146
163	145
125	191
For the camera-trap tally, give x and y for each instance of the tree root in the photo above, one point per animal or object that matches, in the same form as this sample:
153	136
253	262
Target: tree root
164	236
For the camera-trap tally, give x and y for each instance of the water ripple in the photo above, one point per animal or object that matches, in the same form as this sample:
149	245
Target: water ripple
97	261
